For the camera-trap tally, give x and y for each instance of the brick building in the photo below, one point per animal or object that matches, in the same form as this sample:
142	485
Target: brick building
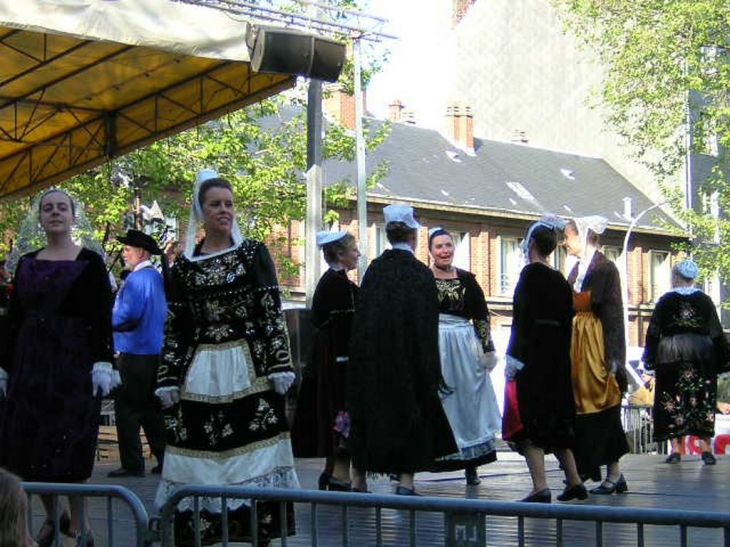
487	192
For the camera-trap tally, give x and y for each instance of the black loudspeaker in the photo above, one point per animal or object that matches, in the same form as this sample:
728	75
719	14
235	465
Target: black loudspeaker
285	51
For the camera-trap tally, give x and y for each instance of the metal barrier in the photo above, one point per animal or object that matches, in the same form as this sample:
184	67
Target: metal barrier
139	522
359	519
638	424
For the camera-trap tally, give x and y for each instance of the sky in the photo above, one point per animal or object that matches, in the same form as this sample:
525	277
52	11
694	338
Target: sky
417	70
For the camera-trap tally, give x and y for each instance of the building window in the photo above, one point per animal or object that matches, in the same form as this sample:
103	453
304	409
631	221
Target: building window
380	241
612	253
660	275
510	263
462	250
559	258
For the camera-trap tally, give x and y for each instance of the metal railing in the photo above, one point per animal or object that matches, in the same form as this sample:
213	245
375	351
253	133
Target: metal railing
114	519
638	424
394	520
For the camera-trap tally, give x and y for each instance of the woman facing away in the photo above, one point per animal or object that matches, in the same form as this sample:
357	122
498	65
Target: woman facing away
394	381
58	354
598	354
538	359
226	367
687	349
467	358
322	423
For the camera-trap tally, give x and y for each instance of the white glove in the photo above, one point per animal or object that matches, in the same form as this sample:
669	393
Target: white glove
282	381
101	379
116	380
489	360
512	367
3	383
168	396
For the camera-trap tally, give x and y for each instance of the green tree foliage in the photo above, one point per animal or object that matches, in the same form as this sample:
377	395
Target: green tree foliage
667	61
260	149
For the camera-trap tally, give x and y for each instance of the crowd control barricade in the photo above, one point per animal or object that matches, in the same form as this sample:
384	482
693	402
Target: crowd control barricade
638	424
355	519
107	502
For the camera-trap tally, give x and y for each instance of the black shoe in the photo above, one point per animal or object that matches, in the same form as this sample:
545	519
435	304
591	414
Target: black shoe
708	458
47	533
337	485
323	481
156	470
674	457
575	492
82	540
472	477
608	487
543	496
122	472
403	491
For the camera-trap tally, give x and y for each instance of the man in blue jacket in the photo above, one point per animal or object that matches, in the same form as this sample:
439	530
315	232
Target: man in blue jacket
138	320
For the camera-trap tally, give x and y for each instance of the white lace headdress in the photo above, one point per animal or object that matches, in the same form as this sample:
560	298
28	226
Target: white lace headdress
31	235
548	220
196	217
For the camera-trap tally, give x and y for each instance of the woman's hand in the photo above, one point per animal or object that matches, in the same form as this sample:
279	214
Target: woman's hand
168	396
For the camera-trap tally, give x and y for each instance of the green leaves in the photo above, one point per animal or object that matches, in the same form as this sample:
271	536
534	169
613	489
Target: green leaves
667	61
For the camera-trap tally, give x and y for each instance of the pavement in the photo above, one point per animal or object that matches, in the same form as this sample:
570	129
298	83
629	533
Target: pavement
690	485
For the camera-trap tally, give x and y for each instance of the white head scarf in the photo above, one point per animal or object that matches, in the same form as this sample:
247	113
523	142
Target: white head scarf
31	235
688	268
596	224
549	221
196	217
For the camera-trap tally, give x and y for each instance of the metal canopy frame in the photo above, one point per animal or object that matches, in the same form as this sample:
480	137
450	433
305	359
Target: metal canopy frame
68	104
332	20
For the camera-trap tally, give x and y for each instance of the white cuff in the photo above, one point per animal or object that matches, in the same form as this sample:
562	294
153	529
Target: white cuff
344	359
514	363
102	366
116	379
166	389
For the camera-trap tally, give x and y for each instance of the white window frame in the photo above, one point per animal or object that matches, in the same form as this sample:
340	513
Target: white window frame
659	282
509	266
462	250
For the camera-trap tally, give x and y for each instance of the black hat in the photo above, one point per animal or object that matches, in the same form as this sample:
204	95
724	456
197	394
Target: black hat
135	238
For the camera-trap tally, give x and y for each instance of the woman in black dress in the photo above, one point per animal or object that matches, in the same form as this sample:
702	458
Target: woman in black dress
598	355
687	348
538	358
58	353
467	358
225	369
322	422
394	381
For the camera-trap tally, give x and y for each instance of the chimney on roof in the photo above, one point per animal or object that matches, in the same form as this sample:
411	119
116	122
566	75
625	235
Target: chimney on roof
519	136
628	208
460	126
395	111
408	117
340	106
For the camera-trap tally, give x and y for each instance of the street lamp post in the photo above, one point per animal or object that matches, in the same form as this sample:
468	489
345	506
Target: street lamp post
625	270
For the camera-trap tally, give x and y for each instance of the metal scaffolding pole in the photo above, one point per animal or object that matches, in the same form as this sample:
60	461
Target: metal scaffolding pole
362	207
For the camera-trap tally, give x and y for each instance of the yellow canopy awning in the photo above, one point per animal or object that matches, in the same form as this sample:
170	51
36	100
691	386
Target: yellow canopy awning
83	81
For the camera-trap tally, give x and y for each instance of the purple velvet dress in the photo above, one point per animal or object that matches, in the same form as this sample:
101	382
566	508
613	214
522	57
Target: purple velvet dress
60	325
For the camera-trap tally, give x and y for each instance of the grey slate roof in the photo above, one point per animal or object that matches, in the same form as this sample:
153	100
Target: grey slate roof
500	176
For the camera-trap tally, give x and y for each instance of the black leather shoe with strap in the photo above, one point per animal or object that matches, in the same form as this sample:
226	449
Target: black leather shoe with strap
608	487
